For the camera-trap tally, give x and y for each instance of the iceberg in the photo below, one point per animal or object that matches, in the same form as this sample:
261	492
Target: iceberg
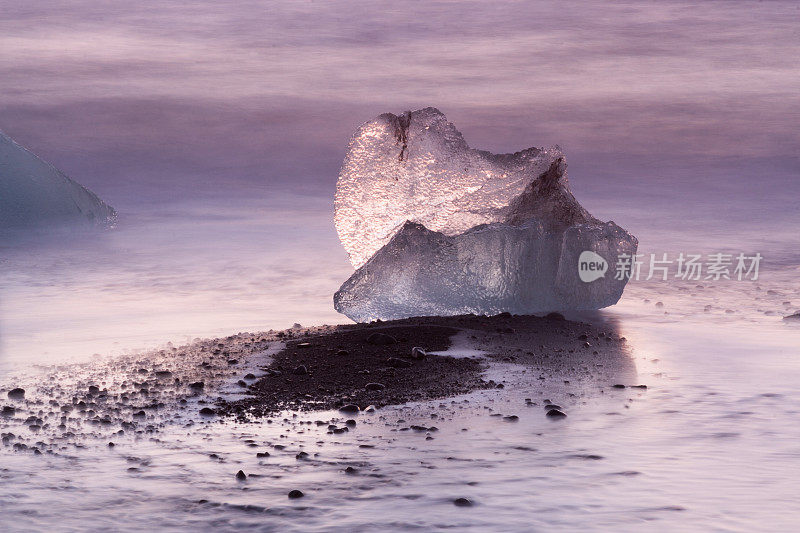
435	227
35	193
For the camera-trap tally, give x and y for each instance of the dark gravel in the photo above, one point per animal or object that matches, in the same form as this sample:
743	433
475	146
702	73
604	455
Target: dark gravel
387	363
357	366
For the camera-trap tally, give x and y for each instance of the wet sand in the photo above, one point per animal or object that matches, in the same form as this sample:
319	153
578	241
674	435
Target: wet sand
227	429
252	375
390	363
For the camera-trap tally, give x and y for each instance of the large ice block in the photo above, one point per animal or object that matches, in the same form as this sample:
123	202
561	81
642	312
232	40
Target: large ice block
461	231
417	167
486	270
34	193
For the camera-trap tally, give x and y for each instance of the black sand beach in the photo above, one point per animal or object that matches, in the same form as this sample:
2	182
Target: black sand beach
377	364
351	367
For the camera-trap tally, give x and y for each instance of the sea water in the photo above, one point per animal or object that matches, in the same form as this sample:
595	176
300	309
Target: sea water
710	444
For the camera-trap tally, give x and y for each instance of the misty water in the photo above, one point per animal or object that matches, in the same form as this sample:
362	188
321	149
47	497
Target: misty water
217	134
711	443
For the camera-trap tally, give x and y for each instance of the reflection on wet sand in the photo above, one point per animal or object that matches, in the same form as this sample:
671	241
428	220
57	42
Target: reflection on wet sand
419	464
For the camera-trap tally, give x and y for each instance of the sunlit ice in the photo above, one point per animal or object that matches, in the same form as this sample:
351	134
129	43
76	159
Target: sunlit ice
249	279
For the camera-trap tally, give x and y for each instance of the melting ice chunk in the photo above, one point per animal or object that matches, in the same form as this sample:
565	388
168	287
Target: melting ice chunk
34	193
515	243
418	167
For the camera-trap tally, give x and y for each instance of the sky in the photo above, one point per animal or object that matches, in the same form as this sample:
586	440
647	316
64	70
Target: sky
158	101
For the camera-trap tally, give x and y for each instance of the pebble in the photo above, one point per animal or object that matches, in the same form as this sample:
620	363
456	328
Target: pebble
294	494
300	370
462	502
375	386
618	386
206	411
418	353
342	352
262	454
241	476
381	339
398	363
16	394
555	413
349	408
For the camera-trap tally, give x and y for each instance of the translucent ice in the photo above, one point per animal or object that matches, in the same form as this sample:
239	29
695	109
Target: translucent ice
418	167
33	192
459	230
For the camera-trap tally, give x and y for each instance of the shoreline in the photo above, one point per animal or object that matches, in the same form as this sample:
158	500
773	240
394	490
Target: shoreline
249	376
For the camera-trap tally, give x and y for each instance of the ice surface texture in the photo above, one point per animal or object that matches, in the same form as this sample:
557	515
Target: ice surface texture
418	167
34	193
437	228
